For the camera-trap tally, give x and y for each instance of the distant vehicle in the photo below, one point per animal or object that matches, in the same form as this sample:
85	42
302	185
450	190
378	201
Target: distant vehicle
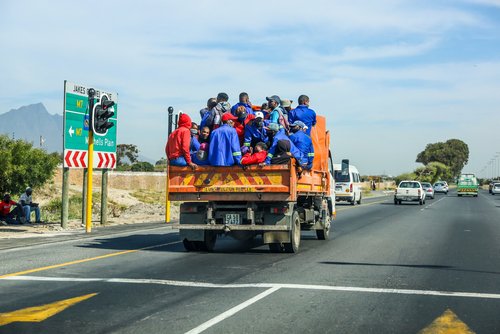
496	188
467	185
441	187
411	191
428	189
491	185
347	183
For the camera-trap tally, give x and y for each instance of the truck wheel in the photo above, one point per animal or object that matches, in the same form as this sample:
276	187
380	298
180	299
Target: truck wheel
209	242
188	245
275	247
294	244
359	200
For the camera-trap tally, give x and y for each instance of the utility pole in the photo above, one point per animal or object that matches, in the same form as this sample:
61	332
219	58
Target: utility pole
167	183
88	222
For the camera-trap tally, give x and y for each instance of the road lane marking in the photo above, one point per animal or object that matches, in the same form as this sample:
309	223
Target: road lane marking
260	285
223	316
42	312
430	205
448	322
100	257
360	206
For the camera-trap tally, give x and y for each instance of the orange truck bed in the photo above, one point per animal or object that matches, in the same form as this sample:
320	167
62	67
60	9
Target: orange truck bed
255	183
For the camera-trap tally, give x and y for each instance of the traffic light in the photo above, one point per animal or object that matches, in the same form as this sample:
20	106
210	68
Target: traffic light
100	117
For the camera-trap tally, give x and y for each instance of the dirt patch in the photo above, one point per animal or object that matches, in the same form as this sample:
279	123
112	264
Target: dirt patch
133	198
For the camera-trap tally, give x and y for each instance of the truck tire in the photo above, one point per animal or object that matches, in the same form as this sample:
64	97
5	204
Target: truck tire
323	234
209	242
188	245
275	247
294	244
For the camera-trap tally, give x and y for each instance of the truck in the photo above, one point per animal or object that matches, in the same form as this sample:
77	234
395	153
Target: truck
467	185
276	202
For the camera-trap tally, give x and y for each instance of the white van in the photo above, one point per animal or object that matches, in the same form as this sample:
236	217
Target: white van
347	184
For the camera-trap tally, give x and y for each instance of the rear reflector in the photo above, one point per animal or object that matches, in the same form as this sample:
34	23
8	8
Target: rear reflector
280	210
189	209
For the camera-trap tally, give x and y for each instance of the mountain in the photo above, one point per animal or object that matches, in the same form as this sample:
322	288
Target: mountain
32	121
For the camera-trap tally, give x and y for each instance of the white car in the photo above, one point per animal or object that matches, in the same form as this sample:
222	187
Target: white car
495	189
347	184
411	191
441	187
429	191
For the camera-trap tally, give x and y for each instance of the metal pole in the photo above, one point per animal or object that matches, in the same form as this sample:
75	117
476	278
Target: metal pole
88	223
167	183
104	197
84	196
65	200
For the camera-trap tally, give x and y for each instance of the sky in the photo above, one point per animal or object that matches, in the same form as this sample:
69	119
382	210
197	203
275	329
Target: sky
390	76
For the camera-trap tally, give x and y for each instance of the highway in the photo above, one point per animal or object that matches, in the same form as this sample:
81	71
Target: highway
387	269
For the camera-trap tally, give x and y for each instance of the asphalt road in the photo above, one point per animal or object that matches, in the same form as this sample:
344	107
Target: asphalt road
387	269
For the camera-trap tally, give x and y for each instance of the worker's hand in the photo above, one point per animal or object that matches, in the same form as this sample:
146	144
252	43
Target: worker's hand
192	165
262	164
251	150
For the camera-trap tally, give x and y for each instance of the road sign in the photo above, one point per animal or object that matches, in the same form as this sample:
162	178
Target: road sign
76	125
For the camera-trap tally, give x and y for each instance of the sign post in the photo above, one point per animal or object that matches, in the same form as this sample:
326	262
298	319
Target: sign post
88	223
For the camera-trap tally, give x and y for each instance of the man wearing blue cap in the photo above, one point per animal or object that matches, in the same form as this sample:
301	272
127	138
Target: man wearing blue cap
303	142
303	113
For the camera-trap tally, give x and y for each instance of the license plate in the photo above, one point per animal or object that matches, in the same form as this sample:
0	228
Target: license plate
338	188
232	219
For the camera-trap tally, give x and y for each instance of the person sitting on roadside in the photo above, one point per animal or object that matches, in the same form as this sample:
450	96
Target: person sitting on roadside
243	120
224	147
255	131
213	120
255	156
303	113
212	102
303	142
9	215
26	201
178	144
277	115
244	101
276	134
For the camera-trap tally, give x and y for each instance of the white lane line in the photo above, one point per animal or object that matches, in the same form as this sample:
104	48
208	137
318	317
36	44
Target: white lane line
260	285
221	317
430	205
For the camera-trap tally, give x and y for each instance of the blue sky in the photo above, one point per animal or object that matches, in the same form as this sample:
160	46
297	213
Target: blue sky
391	76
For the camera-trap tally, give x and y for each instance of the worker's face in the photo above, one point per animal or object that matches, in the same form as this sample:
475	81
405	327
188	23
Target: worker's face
273	104
6	198
295	129
259	123
205	132
258	148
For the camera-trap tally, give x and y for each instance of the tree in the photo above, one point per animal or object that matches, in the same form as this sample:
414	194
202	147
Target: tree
129	151
142	166
453	153
23	166
161	162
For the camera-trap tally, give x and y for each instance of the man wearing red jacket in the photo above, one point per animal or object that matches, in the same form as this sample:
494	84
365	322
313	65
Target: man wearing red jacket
6	215
257	157
243	120
178	144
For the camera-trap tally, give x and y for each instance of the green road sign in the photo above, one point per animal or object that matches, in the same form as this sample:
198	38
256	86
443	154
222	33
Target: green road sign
76	125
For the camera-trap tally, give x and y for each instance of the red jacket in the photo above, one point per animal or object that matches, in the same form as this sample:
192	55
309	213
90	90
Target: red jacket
240	127
5	207
252	159
179	141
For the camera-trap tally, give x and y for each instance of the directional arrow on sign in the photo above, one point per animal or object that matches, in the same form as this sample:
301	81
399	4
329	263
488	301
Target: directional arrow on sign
40	313
71	131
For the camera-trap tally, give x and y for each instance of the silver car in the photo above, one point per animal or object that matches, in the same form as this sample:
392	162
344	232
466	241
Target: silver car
441	187
495	189
428	190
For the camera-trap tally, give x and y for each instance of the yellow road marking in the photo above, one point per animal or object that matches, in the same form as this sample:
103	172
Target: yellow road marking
83	260
447	323
40	313
354	207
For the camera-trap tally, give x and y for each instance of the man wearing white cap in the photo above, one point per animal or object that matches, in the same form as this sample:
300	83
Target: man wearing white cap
28	206
255	131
